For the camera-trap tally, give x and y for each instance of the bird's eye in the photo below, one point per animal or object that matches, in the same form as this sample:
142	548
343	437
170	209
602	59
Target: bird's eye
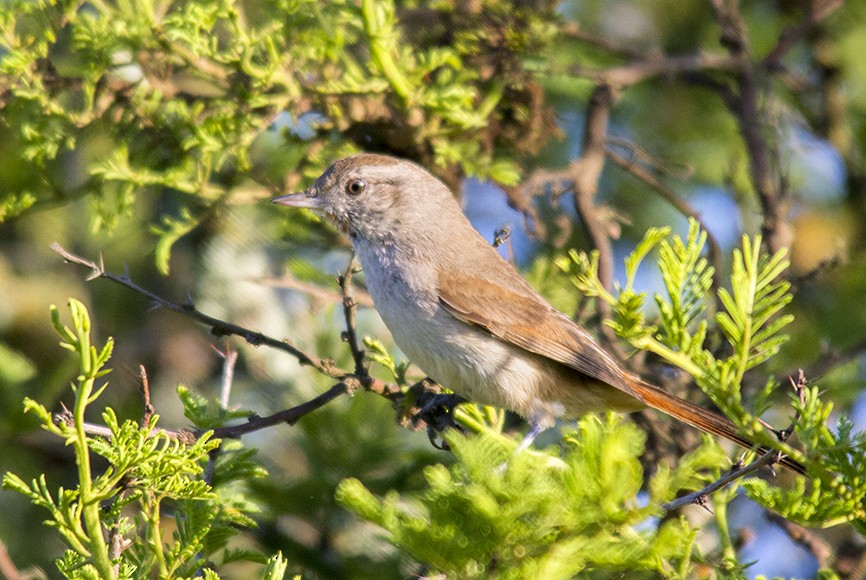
356	186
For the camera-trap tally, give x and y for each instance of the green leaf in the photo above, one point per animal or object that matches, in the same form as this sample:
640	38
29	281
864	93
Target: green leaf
171	230
275	569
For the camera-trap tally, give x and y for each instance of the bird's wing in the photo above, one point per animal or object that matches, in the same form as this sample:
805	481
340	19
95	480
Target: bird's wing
521	317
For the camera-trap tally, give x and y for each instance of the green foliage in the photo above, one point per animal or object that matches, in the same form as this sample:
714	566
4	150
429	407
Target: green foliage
174	112
496	514
378	353
148	468
203	413
751	324
835	498
181	93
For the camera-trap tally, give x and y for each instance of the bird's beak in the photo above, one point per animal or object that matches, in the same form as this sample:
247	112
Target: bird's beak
309	199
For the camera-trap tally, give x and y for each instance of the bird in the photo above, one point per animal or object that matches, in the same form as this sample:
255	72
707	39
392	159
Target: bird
465	316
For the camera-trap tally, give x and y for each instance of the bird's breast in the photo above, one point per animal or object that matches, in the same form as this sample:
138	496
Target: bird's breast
457	355
466	358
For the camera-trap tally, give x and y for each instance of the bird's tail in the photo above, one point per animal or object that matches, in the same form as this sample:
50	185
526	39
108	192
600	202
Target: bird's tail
698	417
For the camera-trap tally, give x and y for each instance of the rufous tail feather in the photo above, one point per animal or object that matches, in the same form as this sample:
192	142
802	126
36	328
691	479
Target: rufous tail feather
698	417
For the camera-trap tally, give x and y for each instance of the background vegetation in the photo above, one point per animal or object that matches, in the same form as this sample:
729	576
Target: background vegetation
148	135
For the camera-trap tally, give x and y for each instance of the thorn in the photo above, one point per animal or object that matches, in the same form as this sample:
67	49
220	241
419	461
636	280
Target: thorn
500	235
739	463
703	500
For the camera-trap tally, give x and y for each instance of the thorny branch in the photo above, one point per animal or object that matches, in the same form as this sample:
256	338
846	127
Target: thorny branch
767	458
350	336
218	327
253	423
348	382
737	471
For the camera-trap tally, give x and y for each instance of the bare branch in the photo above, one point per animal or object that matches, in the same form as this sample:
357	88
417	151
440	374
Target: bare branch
348	382
287	416
669	195
254	422
738	471
744	104
582	177
218	327
586	172
145	395
819	10
350	335
624	76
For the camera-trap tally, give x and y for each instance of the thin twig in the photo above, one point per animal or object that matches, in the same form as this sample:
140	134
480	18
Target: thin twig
145	395
350	335
669	195
348	382
228	375
819	10
287	416
218	327
699	497
253	423
230	358
768	457
646	159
